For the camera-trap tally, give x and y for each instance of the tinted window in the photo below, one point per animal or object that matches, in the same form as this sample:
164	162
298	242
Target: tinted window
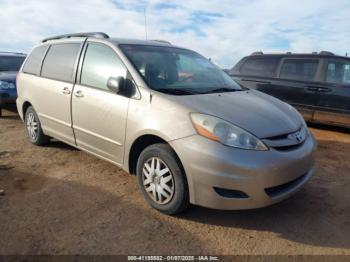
299	69
10	63
33	63
262	66
60	61
100	63
338	72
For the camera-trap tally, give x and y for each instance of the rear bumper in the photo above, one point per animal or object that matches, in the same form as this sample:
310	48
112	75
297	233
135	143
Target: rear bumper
255	178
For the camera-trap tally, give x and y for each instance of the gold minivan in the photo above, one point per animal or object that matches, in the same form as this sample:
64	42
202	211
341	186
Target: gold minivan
188	131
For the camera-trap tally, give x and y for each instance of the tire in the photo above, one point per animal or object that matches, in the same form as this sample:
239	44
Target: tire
155	191
0	111
35	133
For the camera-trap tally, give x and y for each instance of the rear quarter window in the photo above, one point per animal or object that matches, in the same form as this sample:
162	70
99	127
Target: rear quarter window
60	62
33	63
260	66
299	69
338	72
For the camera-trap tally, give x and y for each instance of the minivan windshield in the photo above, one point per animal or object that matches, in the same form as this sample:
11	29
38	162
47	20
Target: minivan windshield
10	63
178	71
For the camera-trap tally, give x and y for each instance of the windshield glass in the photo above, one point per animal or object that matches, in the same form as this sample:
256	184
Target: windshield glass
10	63
178	71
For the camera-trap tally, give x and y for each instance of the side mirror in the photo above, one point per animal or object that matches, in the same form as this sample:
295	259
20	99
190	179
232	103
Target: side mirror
116	84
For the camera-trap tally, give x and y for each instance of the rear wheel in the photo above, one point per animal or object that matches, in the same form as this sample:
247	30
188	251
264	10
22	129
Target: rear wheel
34	130
162	180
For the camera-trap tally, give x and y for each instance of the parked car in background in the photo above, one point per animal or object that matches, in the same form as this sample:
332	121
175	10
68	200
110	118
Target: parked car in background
167	114
317	84
10	63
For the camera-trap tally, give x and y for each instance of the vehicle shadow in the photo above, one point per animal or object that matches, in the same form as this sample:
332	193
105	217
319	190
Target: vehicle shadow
60	145
318	215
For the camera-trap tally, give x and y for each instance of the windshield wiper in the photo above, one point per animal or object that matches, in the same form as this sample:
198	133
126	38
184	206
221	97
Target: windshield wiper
221	90
176	91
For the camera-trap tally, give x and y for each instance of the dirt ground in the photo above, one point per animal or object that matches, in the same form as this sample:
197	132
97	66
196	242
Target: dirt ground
59	200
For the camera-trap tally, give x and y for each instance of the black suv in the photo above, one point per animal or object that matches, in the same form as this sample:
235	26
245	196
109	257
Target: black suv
317	84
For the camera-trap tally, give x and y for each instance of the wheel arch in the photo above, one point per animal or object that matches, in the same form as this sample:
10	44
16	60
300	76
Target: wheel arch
140	144
25	106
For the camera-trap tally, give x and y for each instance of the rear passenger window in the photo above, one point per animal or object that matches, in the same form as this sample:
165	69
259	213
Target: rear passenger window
260	66
338	72
100	63
299	69
33	63
60	61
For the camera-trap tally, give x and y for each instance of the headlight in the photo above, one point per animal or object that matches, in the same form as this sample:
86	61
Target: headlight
224	132
6	85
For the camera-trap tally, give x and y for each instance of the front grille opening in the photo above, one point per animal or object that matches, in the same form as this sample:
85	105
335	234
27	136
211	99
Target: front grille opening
288	148
281	189
230	193
279	137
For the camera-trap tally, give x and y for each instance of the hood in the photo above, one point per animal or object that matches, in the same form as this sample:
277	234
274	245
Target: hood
9	76
260	114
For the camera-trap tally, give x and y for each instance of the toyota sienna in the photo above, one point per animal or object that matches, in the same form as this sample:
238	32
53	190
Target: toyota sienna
168	115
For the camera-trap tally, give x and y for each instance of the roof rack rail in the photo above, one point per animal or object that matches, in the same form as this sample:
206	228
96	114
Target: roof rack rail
88	34
257	53
326	53
162	41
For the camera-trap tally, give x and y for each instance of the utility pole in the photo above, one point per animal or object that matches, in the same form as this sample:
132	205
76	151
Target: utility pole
144	13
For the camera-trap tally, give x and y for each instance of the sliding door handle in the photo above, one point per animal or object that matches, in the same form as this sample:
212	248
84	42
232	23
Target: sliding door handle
79	94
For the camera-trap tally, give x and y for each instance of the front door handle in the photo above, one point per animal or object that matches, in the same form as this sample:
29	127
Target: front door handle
324	89
312	88
79	94
318	89
66	91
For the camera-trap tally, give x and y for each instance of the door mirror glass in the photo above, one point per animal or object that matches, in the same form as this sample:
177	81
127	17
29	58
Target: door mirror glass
116	84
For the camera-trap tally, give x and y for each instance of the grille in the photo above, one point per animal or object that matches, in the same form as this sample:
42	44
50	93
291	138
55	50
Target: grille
286	142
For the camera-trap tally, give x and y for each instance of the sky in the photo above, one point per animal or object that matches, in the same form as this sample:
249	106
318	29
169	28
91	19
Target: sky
224	31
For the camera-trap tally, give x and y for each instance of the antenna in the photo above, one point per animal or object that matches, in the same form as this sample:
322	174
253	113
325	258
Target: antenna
144	13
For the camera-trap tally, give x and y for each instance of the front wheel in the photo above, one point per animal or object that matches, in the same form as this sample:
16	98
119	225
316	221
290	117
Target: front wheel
34	130
162	180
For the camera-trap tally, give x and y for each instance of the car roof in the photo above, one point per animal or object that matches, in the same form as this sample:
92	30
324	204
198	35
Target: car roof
322	54
105	37
12	54
126	41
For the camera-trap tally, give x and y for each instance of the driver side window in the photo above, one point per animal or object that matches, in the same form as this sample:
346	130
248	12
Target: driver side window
100	63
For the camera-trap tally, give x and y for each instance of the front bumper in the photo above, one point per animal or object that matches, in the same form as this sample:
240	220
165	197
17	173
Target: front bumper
265	177
7	97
